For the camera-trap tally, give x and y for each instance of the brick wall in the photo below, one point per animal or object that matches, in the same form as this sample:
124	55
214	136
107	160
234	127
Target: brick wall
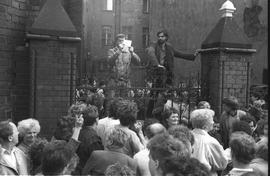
190	21
223	75
15	16
52	87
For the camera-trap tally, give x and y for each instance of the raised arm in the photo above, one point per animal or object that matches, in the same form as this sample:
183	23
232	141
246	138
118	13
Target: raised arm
112	55
134	56
185	56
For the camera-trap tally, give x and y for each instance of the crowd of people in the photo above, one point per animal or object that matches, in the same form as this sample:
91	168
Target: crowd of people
101	133
234	144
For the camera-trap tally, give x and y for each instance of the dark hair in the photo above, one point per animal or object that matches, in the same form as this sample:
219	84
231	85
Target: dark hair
260	126
57	155
179	131
127	112
36	154
167	113
119	36
164	31
183	167
90	114
202	104
249	118
242	147
6	130
113	107
64	128
241	126
262	151
163	146
231	102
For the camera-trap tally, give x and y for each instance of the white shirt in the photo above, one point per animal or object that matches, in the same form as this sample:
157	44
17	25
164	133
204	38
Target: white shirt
9	157
208	151
142	159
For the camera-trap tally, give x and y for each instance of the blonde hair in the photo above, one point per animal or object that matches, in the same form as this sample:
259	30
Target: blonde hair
201	118
25	125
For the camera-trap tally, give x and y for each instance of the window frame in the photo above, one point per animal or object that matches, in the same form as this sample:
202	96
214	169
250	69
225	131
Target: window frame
106	41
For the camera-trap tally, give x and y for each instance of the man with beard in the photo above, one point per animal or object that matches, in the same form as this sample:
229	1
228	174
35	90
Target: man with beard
161	56
162	53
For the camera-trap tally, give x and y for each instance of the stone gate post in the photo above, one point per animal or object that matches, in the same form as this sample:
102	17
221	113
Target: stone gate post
225	61
53	46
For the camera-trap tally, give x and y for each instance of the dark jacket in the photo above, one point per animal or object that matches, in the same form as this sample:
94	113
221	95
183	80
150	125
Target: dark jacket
90	141
101	159
154	50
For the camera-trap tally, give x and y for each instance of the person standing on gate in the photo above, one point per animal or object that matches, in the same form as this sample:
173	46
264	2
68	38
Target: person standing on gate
119	59
161	55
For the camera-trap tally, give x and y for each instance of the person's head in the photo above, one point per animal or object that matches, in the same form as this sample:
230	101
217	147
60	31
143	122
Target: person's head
170	117
216	126
76	109
119	170
181	131
163	36
8	133
202	119
64	128
58	159
127	112
113	107
183	167
163	146
241	126
90	115
154	129
119	39
116	139
254	96
204	105
28	130
230	103
242	147
261	151
36	154
251	121
262	127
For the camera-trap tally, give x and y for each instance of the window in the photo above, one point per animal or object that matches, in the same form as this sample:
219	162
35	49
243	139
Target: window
127	30
145	36
106	35
146	5
108	5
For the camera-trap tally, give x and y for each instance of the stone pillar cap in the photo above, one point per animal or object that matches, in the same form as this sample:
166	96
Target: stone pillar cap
227	8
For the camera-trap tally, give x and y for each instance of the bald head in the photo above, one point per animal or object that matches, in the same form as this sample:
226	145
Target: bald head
154	129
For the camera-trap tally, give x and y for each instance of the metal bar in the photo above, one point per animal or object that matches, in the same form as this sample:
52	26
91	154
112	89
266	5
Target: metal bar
228	49
49	37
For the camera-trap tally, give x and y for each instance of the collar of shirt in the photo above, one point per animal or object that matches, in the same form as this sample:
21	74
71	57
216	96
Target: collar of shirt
199	131
6	152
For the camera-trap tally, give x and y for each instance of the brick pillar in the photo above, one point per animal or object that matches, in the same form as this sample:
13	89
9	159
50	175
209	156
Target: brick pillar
53	48
225	66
